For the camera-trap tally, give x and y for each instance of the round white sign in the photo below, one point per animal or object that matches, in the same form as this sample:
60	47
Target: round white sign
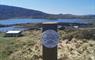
50	38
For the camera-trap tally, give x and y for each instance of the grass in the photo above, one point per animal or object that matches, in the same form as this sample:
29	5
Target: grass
72	46
4	43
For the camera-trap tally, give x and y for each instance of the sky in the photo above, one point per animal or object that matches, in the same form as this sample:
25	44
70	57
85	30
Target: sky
77	7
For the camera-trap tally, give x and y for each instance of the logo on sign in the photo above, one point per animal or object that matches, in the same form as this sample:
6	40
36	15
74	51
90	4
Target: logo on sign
50	38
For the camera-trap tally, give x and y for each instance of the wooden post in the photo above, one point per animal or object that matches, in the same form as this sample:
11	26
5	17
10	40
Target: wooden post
49	51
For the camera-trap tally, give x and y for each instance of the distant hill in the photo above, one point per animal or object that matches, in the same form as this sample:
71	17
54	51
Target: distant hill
70	16
7	12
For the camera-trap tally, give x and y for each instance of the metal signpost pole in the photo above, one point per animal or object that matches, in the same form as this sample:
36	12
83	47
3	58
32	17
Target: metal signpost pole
49	41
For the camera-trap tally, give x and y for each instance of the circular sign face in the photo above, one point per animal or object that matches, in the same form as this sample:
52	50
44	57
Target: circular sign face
50	38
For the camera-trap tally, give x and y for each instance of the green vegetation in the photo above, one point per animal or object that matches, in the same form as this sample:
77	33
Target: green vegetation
5	45
73	45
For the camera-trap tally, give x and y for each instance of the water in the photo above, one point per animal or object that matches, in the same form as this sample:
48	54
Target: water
21	21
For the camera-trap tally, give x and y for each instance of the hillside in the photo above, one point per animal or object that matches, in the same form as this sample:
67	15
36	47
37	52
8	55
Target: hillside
71	16
7	12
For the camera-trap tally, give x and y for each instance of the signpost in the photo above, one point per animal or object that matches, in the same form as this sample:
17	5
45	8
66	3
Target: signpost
50	40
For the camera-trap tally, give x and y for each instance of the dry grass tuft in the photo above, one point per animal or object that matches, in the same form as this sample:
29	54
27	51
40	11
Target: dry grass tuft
70	46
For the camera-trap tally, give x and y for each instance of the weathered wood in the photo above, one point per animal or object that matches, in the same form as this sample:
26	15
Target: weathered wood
49	53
